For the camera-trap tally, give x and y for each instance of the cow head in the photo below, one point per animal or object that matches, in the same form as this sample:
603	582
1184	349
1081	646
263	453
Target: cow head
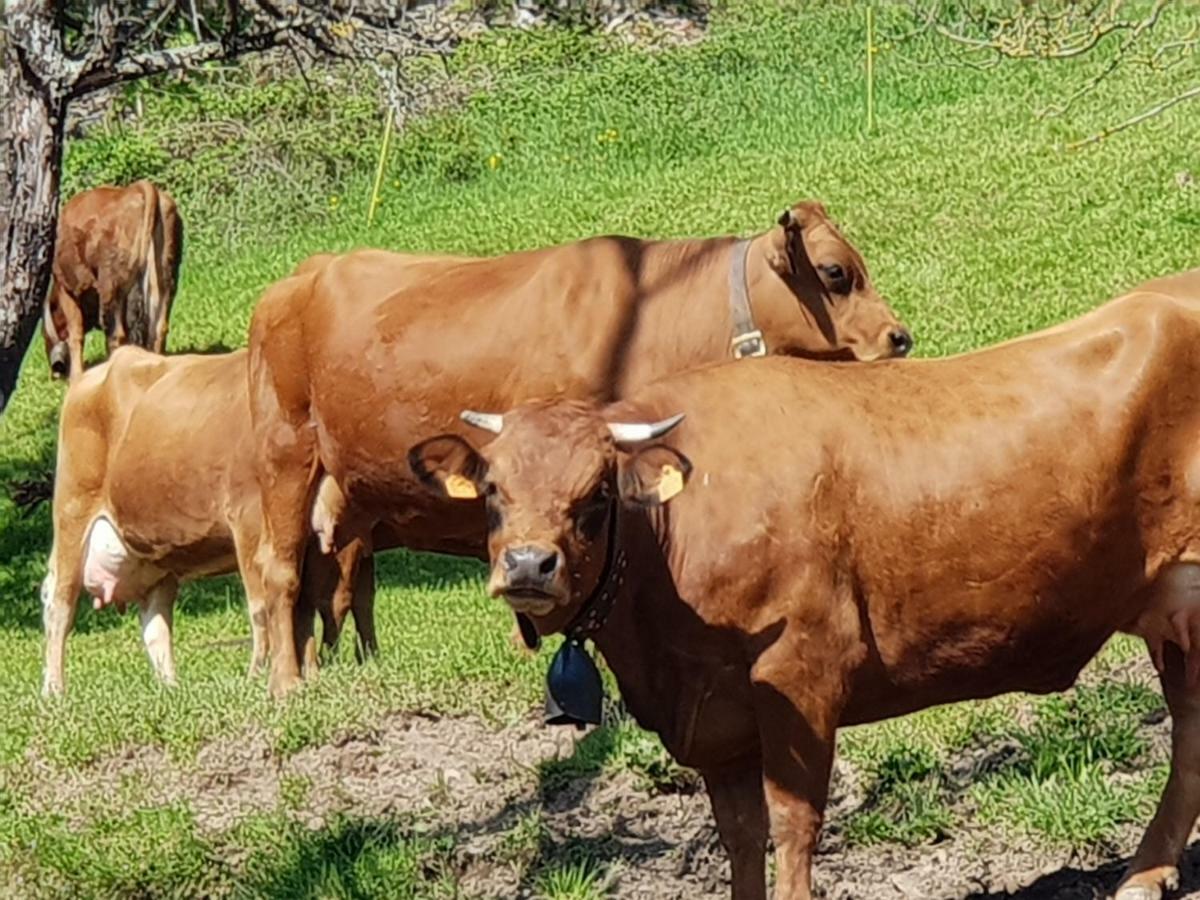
54	333
818	268
552	479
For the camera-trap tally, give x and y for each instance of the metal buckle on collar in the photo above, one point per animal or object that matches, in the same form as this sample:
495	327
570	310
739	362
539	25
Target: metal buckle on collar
749	344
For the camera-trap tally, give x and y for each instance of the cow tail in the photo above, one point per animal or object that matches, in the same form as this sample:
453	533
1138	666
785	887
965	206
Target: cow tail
149	252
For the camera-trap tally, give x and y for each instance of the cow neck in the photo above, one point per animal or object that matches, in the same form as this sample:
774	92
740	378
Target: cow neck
747	338
594	612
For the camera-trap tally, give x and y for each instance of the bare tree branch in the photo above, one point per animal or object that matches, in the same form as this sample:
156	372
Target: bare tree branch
55	51
124	49
1190	94
155	62
983	35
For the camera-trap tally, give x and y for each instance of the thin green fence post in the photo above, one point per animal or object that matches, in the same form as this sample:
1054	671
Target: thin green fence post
383	148
870	68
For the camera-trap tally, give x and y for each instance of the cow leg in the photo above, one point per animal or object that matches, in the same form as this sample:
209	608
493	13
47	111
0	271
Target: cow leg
260	643
317	585
355	593
1153	868
362	604
349	589
112	312
60	600
287	471
798	689
157	615
330	629
736	794
280	559
256	599
322	599
286	493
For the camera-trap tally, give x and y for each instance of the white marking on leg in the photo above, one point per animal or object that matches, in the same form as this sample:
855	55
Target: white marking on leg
156	615
52	673
259	636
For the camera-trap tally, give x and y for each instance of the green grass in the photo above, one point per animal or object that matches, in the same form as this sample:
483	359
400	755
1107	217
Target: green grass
973	224
583	880
160	852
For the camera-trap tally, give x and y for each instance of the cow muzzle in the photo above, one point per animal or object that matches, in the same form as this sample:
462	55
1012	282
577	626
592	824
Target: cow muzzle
60	360
530	578
894	342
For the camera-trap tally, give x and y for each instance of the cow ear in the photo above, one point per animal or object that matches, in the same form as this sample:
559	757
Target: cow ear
780	244
653	475
809	212
449	466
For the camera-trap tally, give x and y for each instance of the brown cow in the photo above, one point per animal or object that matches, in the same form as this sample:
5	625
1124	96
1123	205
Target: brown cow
855	543
116	263
378	349
155	485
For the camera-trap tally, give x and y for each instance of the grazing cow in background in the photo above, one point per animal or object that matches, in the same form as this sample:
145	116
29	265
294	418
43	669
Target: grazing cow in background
116	263
375	350
851	543
155	485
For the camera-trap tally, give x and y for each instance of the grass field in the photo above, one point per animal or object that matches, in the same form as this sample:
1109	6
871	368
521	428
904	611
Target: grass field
973	224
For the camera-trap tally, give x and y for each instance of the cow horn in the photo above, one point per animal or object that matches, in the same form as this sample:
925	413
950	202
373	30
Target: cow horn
635	433
487	421
48	321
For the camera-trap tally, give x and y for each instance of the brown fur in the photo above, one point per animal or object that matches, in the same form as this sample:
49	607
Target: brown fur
860	542
116	263
371	350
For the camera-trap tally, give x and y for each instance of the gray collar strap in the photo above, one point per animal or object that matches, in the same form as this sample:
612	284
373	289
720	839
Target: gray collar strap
747	339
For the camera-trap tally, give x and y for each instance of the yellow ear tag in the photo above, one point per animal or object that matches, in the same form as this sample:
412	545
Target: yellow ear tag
670	484
460	488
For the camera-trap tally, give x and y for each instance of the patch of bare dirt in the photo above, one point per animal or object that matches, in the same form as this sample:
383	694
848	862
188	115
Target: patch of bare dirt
485	786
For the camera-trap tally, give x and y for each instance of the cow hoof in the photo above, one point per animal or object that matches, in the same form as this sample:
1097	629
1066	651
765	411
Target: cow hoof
282	685
1149	885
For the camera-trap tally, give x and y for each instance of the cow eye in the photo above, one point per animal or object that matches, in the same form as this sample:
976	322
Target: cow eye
837	279
834	273
491	506
593	512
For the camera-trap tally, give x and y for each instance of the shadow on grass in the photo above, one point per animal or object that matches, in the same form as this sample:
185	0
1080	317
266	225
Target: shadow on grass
400	568
24	544
26	485
355	859
567	783
1071	883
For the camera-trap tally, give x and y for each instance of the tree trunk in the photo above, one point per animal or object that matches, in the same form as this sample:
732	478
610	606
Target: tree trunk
32	119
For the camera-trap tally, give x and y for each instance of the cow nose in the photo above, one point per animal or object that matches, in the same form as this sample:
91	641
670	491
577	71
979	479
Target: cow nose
529	564
901	342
